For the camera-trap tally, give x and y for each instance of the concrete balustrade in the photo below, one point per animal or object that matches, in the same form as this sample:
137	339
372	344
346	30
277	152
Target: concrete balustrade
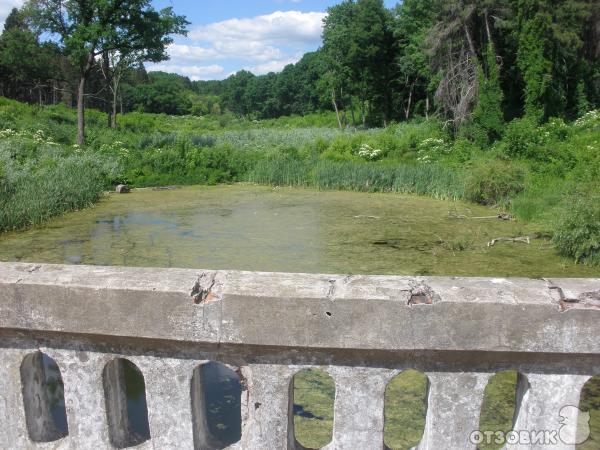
361	330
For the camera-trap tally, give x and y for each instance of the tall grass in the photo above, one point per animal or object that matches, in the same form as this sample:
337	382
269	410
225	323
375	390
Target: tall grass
53	182
432	180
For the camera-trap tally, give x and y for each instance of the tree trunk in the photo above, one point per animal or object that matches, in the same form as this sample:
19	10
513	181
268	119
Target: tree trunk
81	111
487	27
115	92
335	106
470	41
114	111
107	97
81	100
409	103
427	107
353	117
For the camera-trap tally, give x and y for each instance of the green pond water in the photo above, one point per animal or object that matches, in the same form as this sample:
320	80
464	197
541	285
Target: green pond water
260	228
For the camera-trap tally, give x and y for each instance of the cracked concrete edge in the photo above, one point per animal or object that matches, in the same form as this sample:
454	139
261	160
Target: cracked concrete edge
299	310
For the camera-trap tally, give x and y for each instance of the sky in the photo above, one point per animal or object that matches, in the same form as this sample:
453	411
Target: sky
230	35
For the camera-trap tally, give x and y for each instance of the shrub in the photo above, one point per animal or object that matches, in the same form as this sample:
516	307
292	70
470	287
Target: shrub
577	230
431	149
494	182
589	120
521	138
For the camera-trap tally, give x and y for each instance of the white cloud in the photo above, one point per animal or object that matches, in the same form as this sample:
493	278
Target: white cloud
194	72
265	43
260	44
271	66
289	28
6	6
250	51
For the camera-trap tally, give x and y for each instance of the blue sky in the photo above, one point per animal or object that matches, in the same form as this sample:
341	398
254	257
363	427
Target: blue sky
230	35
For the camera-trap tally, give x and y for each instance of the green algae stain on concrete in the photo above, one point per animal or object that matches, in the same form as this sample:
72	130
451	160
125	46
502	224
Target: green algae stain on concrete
256	228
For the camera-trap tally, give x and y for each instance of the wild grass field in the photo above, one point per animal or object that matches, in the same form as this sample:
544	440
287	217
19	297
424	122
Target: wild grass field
548	174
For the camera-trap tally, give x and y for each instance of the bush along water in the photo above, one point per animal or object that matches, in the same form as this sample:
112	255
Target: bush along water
532	171
40	179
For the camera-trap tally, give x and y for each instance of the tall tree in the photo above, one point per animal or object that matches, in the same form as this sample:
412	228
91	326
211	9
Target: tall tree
337	40
552	53
414	20
28	69
89	28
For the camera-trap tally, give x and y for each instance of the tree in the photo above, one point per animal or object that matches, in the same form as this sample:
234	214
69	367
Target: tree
28	69
164	93
89	28
235	90
114	66
464	54
552	54
337	35
414	20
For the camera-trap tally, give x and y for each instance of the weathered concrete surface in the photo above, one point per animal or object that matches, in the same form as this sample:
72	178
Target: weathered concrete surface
361	330
296	310
543	398
359	407
453	409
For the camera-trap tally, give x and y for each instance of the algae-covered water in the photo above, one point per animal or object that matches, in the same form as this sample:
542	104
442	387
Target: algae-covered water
249	227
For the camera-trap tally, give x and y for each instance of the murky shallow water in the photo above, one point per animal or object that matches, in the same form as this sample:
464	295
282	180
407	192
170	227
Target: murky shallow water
291	230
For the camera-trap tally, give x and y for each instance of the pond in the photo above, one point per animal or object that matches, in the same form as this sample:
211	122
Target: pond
261	228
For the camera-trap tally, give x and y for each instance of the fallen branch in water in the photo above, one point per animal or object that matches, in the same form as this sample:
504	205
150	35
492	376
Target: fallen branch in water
367	217
524	239
497	216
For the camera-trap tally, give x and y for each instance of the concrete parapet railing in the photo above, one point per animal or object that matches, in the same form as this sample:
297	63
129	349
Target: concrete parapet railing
362	330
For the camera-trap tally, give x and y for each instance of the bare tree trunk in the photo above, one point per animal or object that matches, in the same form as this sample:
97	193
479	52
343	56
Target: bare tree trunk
114	110
487	27
409	103
108	75
115	91
427	107
81	111
470	41
81	100
335	106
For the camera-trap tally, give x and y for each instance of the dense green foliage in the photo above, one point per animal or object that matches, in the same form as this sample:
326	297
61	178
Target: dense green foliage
578	228
534	172
475	64
476	99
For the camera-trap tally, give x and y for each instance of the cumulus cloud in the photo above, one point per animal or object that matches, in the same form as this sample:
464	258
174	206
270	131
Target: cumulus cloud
290	28
6	6
271	66
265	43
194	72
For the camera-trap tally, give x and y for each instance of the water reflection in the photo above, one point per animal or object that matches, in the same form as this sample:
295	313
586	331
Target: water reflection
56	394
137	408
222	394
